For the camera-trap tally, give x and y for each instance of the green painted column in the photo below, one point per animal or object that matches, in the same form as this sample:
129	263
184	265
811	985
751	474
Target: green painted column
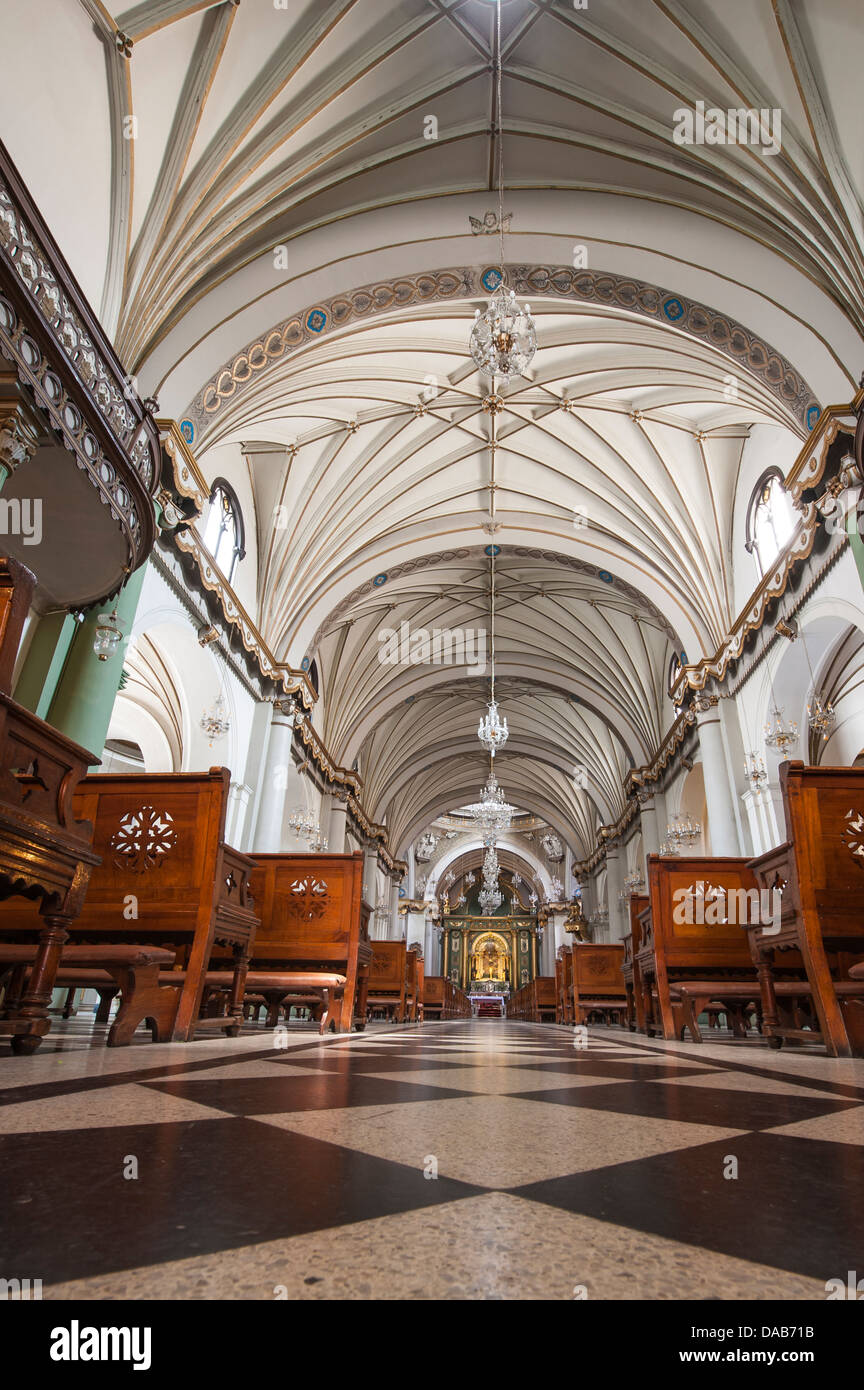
44	662
84	698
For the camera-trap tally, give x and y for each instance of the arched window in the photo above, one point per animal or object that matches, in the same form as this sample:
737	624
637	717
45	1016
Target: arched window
771	519
676	666
223	530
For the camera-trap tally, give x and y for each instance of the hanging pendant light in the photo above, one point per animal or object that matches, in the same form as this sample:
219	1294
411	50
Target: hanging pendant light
504	336
778	734
492	730
109	634
821	717
215	721
492	814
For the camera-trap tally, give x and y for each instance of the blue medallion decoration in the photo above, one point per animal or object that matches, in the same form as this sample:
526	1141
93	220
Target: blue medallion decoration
605	576
673	309
379	580
491	278
304	664
812	416
492	550
187	429
316	320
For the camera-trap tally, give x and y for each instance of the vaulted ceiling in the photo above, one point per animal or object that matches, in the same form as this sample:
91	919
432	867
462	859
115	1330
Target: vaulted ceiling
269	208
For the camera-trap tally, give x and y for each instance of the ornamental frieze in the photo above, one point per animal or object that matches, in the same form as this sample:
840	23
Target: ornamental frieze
747	351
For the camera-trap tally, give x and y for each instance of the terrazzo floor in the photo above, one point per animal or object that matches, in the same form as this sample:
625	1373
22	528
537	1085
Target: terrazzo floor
462	1160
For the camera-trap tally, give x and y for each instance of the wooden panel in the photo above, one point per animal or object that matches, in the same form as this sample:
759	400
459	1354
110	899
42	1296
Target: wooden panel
597	971
821	870
313	917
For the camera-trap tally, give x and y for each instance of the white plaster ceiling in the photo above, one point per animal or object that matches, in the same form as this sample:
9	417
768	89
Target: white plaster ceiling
303	126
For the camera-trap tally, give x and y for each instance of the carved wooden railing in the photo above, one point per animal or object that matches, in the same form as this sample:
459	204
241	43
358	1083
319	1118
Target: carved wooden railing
70	373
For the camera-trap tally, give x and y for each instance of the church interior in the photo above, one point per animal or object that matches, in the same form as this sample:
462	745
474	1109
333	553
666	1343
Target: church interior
431	650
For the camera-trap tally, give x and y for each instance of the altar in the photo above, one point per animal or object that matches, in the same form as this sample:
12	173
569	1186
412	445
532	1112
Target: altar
489	956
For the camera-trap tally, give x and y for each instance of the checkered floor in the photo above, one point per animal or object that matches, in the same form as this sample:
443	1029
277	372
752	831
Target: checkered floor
469	1160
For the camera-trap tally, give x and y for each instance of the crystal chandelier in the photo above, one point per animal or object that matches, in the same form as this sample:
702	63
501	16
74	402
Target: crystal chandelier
754	771
215	721
821	717
556	891
302	822
305	827
504	338
490	900
684	830
491	814
492	730
778	735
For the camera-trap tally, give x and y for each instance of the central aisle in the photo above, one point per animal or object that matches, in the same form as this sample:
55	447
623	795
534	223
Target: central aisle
311	1170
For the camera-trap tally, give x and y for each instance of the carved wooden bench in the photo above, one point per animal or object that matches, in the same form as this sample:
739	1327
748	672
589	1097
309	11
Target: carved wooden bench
820	874
134	970
598	981
314	922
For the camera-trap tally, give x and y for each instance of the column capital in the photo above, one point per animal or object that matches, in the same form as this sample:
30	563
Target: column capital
703	703
19	426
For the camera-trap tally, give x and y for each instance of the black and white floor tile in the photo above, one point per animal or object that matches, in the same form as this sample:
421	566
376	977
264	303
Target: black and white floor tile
464	1160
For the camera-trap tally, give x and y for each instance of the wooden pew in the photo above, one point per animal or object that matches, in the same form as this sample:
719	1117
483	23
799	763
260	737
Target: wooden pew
419	978
168	879
630	966
434	996
820	870
442	999
46	851
313	919
393	980
711	957
564	985
598	983
534	1002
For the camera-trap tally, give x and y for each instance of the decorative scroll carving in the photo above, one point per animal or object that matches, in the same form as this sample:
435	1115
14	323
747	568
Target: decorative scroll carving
142	839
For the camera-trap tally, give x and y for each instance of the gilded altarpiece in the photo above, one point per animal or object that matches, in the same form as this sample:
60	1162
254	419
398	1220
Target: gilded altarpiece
490	954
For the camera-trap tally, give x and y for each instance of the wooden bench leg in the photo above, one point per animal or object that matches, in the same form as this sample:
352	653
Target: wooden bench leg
32	1016
142	1000
107	995
238	989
